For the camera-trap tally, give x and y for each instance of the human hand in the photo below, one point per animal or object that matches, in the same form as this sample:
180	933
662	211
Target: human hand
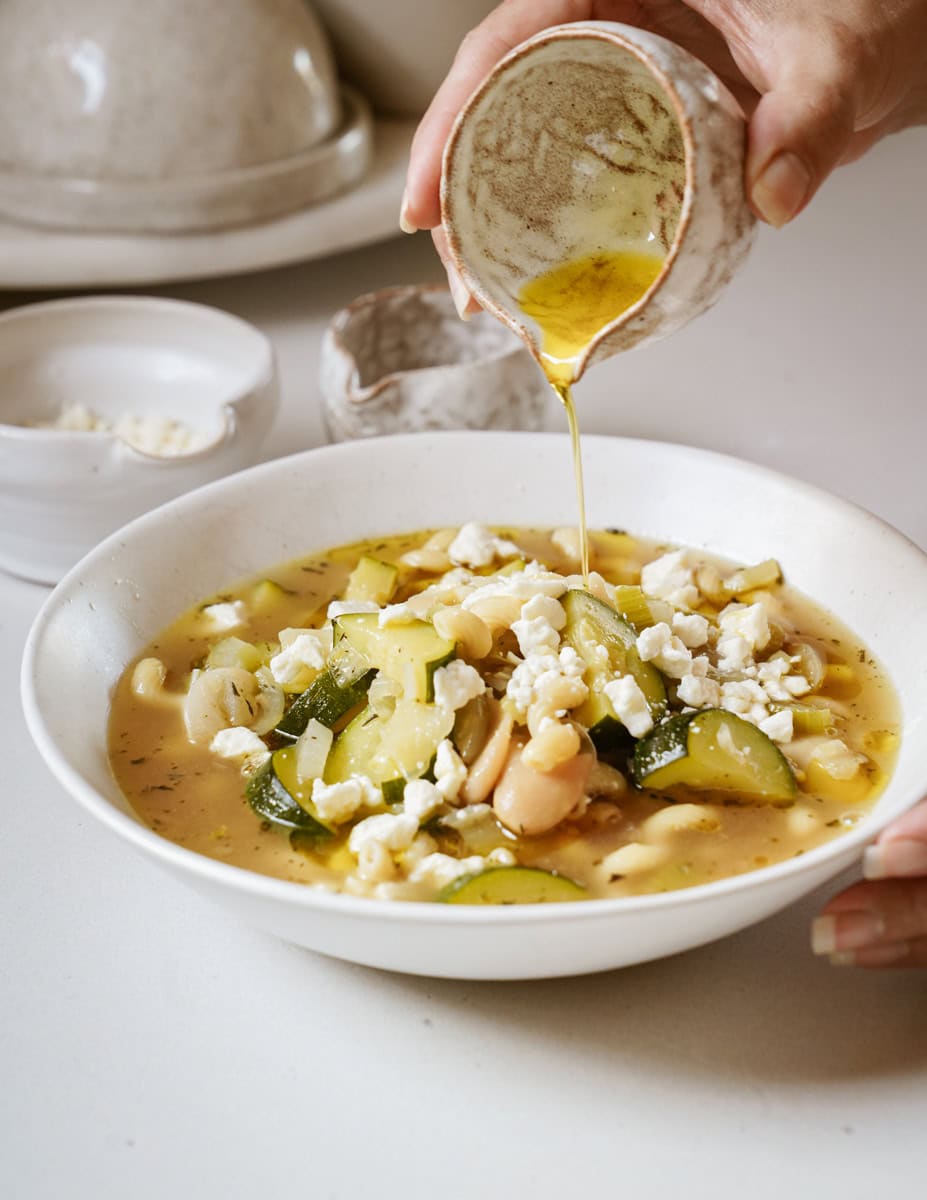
882	922
819	82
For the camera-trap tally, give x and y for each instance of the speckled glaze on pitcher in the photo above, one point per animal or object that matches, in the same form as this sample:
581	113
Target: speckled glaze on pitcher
597	137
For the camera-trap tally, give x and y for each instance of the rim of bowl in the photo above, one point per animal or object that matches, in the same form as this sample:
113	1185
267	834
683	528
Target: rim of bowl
342	318
597	32
243	880
262	371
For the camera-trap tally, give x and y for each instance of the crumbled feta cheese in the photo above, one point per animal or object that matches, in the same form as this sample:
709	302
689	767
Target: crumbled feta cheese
534	580
671	578
456	684
421	799
778	725
239	742
630	704
537	629
699	691
468	816
341	608
734	654
227	615
339	802
397	614
476	546
307	651
796	685
539	674
441	869
450	771
659	645
691	629
148	432
745	698
748	621
393	832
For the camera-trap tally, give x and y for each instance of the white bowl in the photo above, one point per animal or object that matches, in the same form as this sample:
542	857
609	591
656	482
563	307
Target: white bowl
62	492
132	586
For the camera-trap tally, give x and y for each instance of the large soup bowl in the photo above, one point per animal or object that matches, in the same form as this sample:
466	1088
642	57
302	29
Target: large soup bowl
141	578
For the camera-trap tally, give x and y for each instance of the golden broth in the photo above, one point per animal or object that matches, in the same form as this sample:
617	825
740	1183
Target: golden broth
190	796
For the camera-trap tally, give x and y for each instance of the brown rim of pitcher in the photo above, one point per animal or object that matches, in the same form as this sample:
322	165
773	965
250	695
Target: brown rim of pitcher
559	33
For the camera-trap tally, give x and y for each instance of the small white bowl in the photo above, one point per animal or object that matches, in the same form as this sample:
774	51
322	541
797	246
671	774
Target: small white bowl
402	361
62	492
95	624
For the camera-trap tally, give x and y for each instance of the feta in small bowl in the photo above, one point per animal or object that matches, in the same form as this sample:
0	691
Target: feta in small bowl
110	406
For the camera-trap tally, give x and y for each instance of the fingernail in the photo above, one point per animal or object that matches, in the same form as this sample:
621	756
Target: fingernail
837	933
781	189
897	857
459	293
405	224
842	959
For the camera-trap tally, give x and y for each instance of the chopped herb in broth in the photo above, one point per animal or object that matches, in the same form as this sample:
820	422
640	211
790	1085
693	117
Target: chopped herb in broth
462	715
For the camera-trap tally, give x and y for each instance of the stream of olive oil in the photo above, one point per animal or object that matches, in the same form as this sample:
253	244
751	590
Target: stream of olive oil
571	305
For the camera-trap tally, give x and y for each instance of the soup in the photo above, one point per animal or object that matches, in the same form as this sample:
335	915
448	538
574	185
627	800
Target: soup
464	716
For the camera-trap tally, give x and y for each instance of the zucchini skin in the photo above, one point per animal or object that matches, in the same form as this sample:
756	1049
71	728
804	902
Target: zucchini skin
713	750
512	885
324	700
270	799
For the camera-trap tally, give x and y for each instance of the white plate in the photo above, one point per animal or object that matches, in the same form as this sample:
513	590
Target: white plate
31	257
130	587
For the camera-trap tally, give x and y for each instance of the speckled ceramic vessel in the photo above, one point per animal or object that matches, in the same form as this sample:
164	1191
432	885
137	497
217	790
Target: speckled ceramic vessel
400	361
169	115
593	137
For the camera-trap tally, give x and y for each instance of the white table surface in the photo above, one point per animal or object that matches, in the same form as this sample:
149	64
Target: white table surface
150	1046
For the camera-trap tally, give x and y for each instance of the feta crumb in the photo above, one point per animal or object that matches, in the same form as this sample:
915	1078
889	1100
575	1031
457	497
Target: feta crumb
538	674
450	771
534	580
421	799
307	651
630	704
227	615
476	546
745	698
341	608
796	685
748	621
441	869
148	432
691	629
468	816
393	832
659	645
538	627
671	578
734	654
339	802
699	691
239	742
778	726
456	684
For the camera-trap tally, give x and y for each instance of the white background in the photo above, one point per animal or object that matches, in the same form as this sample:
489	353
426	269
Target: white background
150	1046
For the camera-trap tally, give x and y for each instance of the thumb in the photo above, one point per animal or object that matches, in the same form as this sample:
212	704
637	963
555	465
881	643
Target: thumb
799	132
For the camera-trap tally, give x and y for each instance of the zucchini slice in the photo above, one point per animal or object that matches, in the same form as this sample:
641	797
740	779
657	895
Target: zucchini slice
592	624
372	579
326	700
276	795
389	750
512	885
409	653
716	750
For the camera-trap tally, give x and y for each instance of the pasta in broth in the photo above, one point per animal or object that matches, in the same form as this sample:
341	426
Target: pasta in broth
461	715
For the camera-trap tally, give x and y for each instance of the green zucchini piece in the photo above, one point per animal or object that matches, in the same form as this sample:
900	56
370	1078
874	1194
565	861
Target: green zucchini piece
389	750
326	700
409	653
716	750
512	885
372	579
276	796
590	624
